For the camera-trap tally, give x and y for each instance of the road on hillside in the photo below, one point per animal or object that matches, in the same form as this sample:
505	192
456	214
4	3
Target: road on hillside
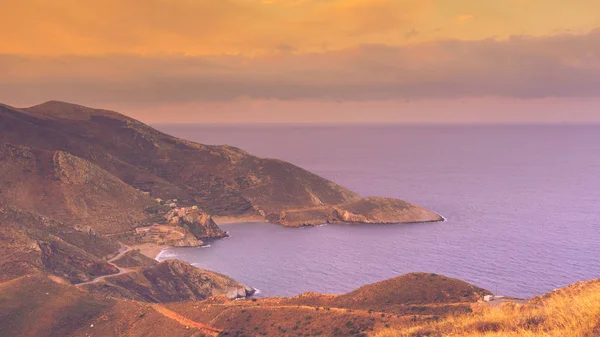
124	250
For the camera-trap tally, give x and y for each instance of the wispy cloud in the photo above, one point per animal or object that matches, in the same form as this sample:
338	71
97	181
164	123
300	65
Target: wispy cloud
257	27
565	65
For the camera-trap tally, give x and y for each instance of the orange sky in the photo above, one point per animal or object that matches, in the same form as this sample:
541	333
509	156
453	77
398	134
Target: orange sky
288	60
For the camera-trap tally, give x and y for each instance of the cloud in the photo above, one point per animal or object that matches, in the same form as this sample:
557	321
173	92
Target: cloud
197	27
465	18
565	65
257	27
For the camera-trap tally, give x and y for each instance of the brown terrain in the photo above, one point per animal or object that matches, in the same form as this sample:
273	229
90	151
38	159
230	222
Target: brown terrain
36	304
220	180
84	193
77	184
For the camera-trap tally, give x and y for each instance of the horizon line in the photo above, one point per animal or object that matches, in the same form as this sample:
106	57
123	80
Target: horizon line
377	124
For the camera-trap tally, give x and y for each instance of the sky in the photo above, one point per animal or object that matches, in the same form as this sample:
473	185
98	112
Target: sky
308	61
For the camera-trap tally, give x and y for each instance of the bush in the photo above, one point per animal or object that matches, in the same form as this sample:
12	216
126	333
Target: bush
532	322
483	326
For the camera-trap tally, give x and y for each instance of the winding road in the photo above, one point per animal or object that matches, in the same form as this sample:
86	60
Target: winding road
184	320
124	250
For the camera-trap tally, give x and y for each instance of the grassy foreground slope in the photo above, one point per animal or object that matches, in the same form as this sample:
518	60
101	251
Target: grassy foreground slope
573	311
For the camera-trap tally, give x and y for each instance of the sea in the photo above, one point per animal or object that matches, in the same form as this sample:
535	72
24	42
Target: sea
522	207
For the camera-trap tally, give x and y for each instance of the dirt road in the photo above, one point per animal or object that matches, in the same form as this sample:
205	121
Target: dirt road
124	250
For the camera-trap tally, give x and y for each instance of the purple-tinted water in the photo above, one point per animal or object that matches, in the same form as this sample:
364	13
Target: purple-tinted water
522	203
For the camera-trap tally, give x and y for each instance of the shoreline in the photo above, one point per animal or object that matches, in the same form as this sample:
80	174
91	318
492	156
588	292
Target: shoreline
228	220
151	250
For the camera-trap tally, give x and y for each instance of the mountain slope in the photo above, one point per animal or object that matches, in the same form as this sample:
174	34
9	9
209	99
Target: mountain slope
411	289
573	311
37	306
31	243
222	180
170	281
67	188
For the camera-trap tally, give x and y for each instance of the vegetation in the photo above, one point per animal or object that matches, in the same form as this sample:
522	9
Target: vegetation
570	312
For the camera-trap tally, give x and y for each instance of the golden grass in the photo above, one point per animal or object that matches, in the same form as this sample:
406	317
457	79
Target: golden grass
570	312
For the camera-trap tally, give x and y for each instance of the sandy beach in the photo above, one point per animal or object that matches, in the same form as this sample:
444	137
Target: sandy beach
151	250
220	220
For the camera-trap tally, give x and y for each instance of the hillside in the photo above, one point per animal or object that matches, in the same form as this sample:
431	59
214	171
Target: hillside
404	293
170	281
41	305
67	188
38	306
221	180
32	243
573	311
53	309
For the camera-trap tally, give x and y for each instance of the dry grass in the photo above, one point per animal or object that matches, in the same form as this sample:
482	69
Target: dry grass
571	312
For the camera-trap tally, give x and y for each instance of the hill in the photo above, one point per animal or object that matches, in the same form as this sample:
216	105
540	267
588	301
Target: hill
408	291
170	281
70	189
35	305
53	308
573	311
33	243
221	180
41	305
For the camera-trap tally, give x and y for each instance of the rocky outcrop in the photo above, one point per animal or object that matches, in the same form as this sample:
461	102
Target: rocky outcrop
196	221
368	210
240	292
171	281
177	226
167	235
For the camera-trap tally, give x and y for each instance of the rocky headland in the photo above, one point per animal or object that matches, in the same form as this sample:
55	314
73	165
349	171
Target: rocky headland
222	181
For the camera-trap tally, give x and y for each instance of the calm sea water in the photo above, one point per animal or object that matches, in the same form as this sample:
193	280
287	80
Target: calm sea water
522	203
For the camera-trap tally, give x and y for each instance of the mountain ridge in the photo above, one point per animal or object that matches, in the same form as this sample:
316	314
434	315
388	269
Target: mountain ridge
221	180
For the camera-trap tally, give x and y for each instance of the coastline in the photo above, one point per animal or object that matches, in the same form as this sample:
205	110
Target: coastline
228	220
151	250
